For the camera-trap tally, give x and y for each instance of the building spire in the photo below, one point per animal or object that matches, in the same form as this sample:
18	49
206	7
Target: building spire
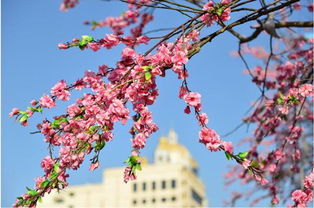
173	137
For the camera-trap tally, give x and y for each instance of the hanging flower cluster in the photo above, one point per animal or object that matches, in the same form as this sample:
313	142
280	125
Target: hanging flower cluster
124	93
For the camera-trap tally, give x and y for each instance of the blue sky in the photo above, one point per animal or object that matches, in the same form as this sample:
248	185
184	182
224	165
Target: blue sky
32	64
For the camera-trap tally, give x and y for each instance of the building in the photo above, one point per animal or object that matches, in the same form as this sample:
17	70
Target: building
170	181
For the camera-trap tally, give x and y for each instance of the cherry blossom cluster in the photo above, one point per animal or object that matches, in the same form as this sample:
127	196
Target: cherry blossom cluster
109	41
216	12
124	93
302	197
281	117
68	4
129	17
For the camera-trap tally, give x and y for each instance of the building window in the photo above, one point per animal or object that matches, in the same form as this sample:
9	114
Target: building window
153	200
173	198
58	200
195	171
196	197
160	158
163	199
144	186
134	187
71	194
134	202
144	201
154	185
173	183
163	184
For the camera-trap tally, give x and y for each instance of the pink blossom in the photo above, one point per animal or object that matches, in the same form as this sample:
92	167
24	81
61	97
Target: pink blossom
225	2
134	152
34	102
103	69
47	164
107	136
29	113
46	101
183	92
209	5
179	58
225	15
60	91
296	6
202	119
111	40
299	197
306	90
279	154
275	200
272	167
128	52
143	39
284	109
94	166
139	141
246	163
193	35
228	146
128	174
192	98
308	181
38	181
73	110
14	112
187	110
210	138
63	46
94	46
310	7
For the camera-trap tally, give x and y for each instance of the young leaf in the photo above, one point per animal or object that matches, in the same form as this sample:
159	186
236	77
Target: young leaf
148	76
32	193
254	164
228	156
147	67
23	118
243	155
44	184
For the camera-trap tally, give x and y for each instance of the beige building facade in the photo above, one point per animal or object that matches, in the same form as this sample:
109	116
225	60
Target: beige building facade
171	181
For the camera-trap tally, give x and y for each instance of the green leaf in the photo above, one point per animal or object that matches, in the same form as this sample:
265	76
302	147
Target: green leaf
57	122
100	145
280	100
35	109
243	155
87	38
138	166
254	164
148	76
93	128
32	193
22	112
52	176
219	11
23	118
44	184
147	67
228	156
40	200
56	168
